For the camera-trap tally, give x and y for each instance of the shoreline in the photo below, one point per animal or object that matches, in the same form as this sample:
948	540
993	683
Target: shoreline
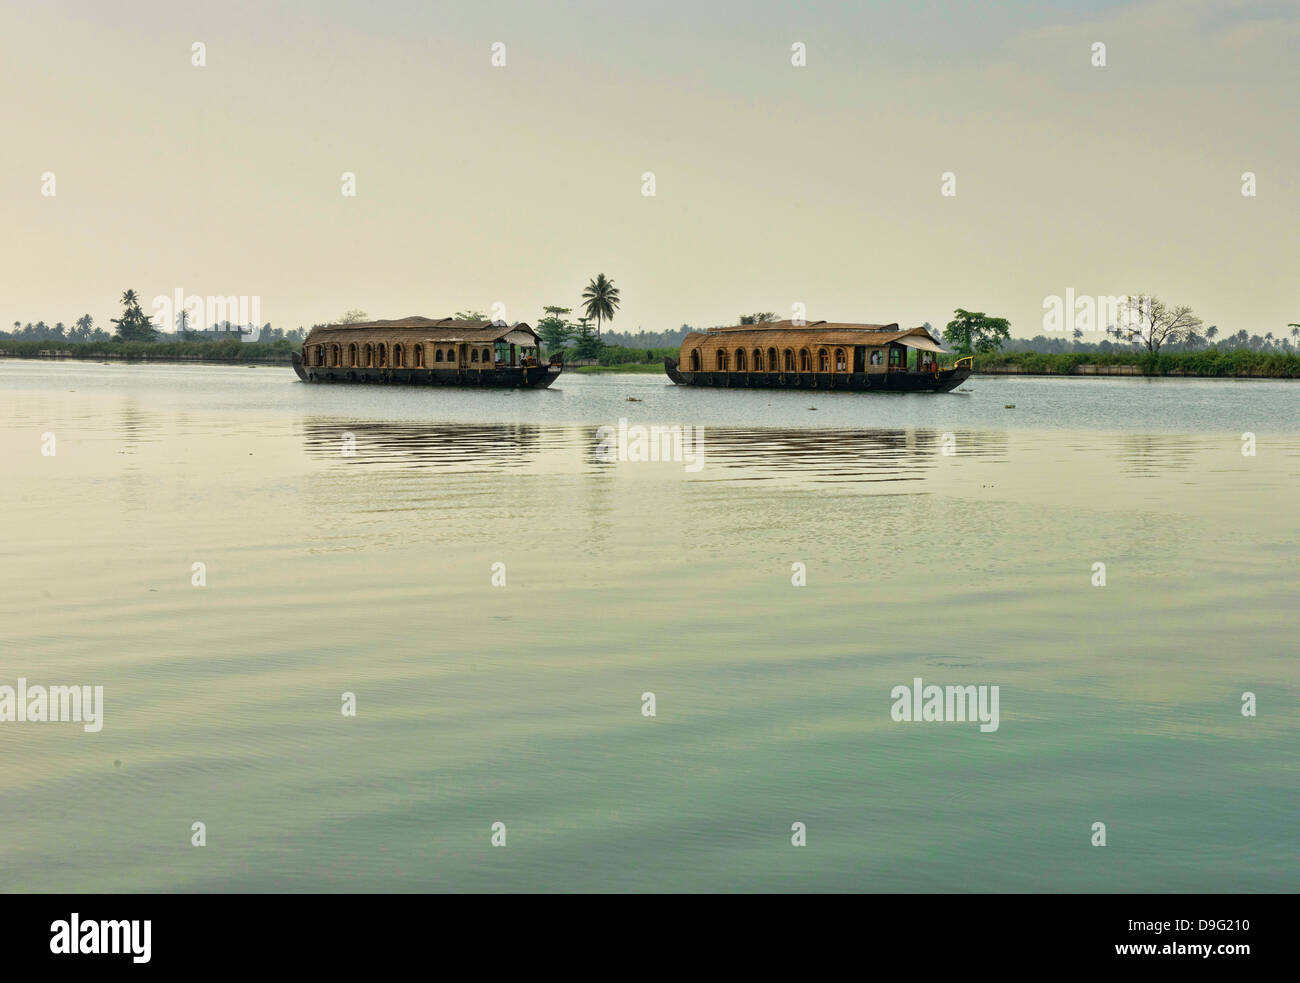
61	355
1083	370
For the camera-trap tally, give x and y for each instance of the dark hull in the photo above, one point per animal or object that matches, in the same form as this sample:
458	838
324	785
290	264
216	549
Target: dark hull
942	381
534	377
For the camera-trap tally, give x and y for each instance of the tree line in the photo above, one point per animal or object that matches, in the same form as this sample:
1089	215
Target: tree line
136	325
1152	326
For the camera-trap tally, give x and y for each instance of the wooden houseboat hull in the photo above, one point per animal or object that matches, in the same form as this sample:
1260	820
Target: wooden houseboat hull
942	381
523	377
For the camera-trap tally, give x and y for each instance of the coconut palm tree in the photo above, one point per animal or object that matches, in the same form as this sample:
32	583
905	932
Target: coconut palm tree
600	300
134	324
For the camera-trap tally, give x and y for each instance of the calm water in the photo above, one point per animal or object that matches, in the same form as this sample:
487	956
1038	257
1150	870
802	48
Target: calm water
522	704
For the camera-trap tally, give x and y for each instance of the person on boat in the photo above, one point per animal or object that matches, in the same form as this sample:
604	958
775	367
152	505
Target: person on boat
927	361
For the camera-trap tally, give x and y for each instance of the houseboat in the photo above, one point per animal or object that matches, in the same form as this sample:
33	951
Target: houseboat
816	355
428	352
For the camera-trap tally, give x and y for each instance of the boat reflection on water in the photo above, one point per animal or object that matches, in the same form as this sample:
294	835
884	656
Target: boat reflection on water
451	447
726	454
838	455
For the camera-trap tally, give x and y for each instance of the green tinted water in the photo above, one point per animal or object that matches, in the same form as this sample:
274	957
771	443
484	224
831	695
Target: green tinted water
522	704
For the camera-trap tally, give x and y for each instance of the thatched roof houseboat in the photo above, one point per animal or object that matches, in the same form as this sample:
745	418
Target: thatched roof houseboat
426	351
815	355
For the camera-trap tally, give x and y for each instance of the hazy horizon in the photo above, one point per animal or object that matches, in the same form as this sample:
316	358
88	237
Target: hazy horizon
775	185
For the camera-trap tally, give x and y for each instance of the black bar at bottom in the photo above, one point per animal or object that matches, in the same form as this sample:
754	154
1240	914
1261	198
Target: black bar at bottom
916	935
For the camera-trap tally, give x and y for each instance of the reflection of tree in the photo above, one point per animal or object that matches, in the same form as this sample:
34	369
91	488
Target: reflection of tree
1147	455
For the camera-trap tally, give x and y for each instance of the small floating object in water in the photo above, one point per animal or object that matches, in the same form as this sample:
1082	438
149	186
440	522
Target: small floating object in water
812	407
1009	406
633	399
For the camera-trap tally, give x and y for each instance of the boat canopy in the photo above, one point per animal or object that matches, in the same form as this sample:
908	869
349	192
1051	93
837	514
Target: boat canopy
520	338
922	342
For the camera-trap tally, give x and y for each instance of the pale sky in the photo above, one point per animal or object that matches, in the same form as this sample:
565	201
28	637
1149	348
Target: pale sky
775	184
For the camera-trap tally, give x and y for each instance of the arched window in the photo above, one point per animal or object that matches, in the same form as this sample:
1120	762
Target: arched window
805	362
399	357
336	355
473	355
721	359
368	356
823	360
383	355
352	354
437	356
740	360
695	360
840	364
419	356
318	356
771	360
789	359
758	360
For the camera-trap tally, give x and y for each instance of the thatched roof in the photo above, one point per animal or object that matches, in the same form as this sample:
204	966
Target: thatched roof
810	334
444	329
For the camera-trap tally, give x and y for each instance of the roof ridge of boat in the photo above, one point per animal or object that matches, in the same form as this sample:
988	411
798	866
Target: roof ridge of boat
420	321
790	325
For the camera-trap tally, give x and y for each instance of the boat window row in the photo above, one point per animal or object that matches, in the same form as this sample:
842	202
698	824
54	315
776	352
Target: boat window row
787	360
383	356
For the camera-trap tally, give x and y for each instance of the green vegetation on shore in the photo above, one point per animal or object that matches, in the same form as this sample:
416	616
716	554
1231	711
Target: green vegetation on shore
1210	362
228	350
633	368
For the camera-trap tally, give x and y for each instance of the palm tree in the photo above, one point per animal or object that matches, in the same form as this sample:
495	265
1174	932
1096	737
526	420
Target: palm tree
600	300
1211	333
